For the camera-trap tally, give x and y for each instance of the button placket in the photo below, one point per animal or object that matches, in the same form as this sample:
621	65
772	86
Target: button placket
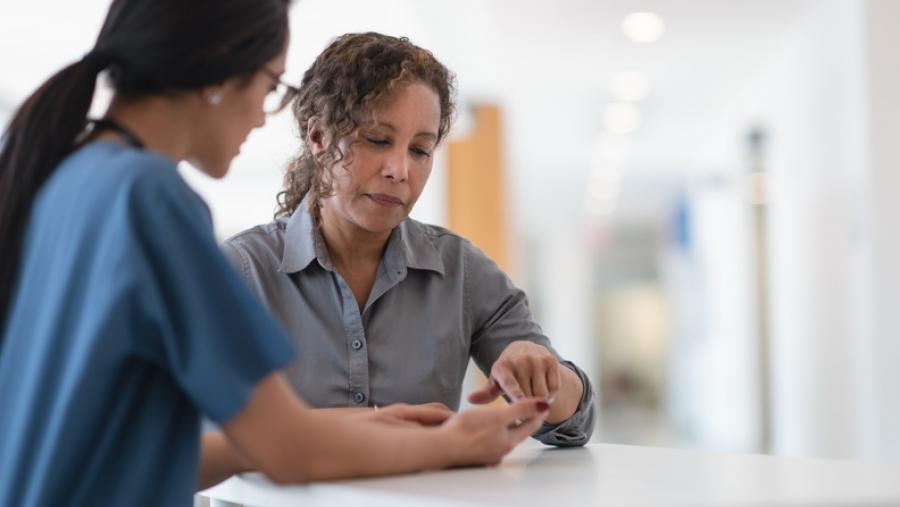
357	361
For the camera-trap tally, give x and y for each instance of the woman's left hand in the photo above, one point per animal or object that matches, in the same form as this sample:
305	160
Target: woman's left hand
528	370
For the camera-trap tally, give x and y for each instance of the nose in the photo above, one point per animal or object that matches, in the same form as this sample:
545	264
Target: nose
396	166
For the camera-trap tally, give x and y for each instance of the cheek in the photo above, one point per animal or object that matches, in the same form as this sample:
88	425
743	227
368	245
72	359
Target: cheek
248	114
420	179
342	183
354	170
233	128
252	116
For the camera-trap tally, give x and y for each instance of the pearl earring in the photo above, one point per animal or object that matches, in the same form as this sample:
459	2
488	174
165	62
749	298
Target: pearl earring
214	99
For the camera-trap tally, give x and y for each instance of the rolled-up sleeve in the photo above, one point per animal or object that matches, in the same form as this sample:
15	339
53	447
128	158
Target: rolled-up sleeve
499	314
575	430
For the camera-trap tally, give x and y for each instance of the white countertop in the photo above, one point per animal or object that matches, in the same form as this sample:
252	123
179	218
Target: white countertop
600	474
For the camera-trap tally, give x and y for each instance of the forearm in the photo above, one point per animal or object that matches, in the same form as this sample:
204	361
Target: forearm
219	460
565	404
334	448
342	410
290	443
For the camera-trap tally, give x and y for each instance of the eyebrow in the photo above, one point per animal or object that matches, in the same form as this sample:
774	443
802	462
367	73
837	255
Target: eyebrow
419	134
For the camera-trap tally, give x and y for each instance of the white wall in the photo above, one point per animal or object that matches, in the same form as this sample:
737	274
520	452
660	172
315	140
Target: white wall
816	161
830	102
883	219
831	106
724	354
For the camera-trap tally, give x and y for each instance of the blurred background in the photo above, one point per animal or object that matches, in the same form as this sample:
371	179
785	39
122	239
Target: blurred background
701	197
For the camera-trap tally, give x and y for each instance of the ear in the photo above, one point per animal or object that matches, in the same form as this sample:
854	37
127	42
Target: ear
315	135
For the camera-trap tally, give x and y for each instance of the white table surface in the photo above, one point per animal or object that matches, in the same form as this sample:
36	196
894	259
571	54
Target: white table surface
600	474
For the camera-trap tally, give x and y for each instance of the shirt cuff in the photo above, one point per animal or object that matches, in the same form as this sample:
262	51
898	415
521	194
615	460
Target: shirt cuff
577	429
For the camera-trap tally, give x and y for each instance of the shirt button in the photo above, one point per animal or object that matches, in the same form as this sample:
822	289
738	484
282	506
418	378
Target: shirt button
359	397
356	344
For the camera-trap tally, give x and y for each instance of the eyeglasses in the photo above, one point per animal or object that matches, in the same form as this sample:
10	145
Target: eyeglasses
280	96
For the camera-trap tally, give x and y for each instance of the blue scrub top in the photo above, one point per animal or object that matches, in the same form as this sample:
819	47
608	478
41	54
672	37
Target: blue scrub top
127	324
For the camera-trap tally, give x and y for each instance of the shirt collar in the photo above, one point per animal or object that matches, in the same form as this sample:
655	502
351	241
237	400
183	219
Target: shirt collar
417	247
302	242
408	247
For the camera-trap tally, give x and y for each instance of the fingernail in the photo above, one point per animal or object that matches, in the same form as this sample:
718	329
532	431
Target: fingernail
542	406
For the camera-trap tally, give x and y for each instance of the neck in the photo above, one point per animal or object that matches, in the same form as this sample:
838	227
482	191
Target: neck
162	123
349	244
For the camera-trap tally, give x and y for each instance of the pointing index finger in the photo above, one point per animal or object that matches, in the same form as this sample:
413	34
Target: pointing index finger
507	381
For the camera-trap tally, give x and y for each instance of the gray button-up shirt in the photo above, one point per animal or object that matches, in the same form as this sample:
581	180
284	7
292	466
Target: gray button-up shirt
437	300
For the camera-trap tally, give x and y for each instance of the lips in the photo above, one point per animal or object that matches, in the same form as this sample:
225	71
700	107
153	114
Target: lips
385	200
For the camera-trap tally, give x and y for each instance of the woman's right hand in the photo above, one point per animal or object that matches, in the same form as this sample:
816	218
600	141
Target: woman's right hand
483	436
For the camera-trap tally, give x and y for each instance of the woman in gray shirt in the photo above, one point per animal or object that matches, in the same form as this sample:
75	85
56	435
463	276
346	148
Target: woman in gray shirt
385	309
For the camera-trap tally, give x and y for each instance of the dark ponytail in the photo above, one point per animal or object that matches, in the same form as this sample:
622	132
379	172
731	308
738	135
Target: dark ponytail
41	134
148	47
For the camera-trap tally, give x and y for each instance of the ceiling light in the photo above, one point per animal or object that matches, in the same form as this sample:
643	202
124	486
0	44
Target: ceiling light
643	26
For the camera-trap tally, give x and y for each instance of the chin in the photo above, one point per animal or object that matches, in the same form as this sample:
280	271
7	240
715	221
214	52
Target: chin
380	226
214	169
220	173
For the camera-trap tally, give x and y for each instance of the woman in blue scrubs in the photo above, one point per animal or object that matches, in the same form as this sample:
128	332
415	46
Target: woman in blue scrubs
122	324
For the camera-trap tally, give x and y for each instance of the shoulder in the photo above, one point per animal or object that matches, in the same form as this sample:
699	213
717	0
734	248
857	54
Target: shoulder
104	164
122	179
110	160
156	176
145	175
440	237
452	247
263	242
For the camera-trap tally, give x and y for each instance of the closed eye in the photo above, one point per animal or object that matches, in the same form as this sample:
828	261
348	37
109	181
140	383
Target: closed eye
419	152
377	141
